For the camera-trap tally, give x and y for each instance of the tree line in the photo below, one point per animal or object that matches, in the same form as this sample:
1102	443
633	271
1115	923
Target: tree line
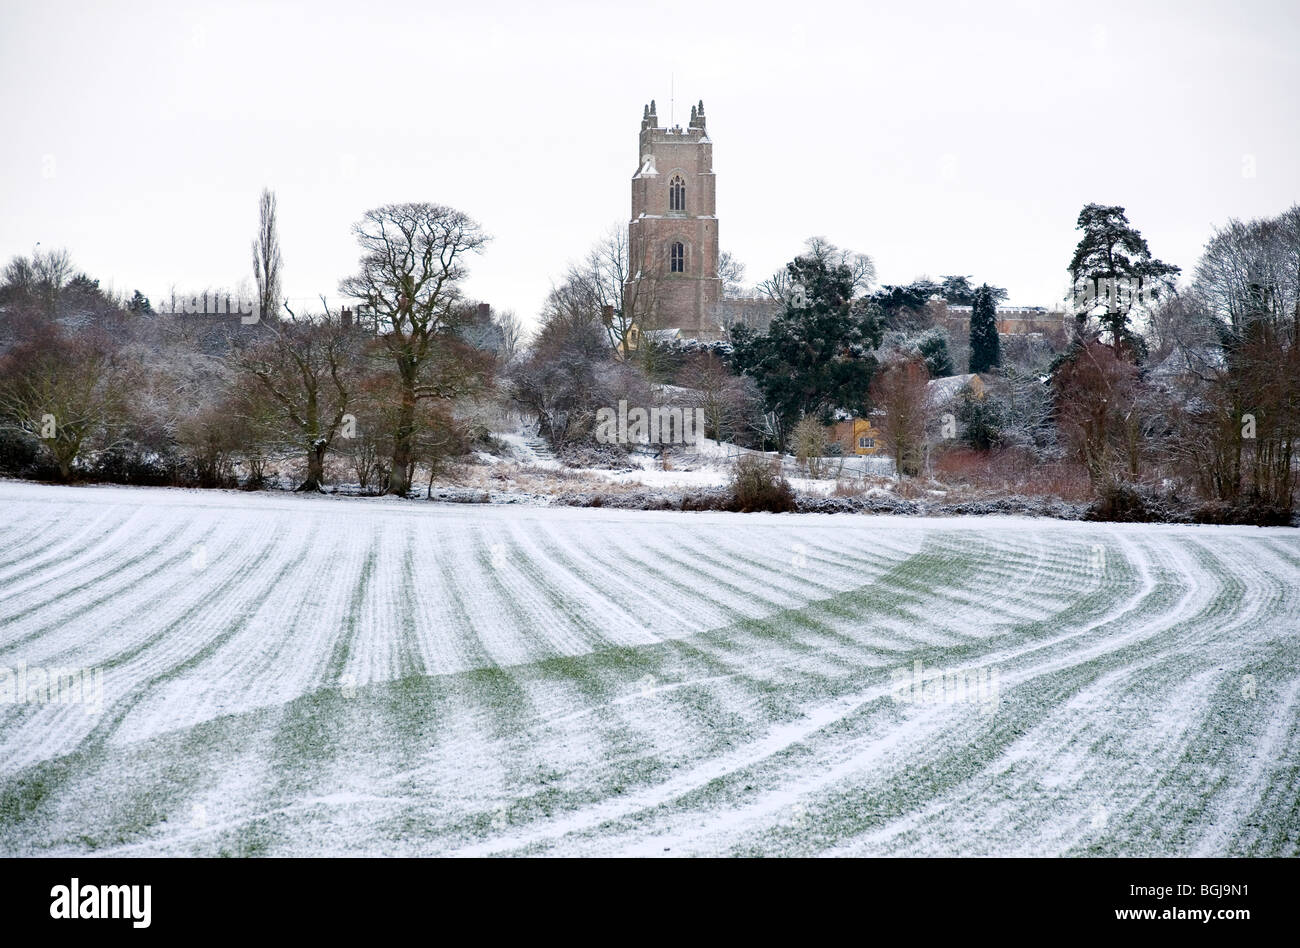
1152	390
99	386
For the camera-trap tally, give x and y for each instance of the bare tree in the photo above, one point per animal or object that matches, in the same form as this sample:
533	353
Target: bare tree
38	280
605	285
412	264
1242	422
19	276
779	285
732	274
1026	410
860	265
266	257
1244	255
1099	399
1178	324
512	333
212	436
900	389
729	401
68	392
307	367
560	381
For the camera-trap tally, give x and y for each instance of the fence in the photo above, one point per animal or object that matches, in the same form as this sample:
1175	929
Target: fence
850	467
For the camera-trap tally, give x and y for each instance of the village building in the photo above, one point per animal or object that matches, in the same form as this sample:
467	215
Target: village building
856	436
673	237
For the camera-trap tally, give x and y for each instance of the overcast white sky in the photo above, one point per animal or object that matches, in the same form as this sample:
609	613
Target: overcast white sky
939	137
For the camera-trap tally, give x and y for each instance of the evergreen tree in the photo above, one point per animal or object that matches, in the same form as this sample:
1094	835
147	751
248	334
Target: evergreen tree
817	354
1112	249
959	291
985	352
139	304
981	420
933	347
904	307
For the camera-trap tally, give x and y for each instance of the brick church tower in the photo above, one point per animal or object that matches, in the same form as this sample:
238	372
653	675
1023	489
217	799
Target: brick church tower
673	236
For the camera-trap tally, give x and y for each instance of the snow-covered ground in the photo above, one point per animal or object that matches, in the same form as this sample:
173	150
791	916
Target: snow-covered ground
305	675
704	464
709	463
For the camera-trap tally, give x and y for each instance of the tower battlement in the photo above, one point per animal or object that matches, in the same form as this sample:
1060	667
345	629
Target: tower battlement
673	234
652	134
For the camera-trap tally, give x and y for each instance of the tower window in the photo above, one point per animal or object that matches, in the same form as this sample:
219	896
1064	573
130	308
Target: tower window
677	194
677	257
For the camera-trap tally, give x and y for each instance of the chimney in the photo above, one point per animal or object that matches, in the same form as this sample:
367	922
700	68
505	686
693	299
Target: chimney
607	314
484	313
346	317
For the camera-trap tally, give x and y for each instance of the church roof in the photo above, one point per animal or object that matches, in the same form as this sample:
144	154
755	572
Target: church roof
647	169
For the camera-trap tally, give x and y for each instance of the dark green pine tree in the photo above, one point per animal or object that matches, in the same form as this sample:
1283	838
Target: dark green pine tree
816	355
980	416
1112	249
139	304
985	353
933	346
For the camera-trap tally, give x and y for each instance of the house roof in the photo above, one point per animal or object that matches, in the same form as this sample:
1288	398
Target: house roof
947	388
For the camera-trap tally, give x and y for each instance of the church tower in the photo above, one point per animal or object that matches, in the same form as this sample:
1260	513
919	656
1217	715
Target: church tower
673	236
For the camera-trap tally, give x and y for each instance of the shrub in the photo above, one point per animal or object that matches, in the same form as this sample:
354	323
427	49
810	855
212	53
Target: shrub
132	463
1137	503
21	454
587	455
1120	503
1012	471
1257	512
810	444
757	484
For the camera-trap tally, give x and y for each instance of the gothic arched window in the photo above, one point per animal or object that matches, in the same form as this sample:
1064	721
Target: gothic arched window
677	257
677	194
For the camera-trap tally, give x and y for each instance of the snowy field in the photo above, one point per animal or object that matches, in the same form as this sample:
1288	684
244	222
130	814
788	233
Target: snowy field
287	675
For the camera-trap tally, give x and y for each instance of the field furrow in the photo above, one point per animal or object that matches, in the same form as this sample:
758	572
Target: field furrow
213	673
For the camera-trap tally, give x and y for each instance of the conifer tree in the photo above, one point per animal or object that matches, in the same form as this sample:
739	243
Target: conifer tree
817	354
1114	269
985	352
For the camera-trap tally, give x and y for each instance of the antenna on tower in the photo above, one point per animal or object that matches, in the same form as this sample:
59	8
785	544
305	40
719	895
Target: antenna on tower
672	79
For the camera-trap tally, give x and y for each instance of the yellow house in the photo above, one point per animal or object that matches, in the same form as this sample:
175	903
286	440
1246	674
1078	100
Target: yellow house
635	337
858	436
631	340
